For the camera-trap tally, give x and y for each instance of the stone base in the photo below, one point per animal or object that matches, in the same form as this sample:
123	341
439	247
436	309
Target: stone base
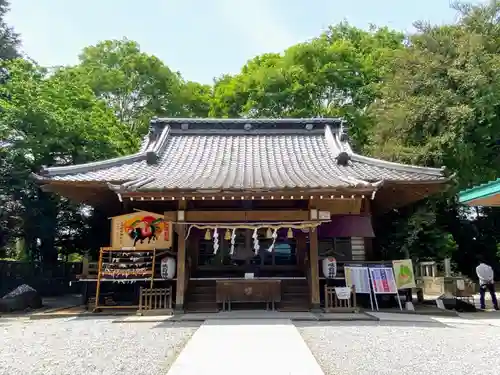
316	308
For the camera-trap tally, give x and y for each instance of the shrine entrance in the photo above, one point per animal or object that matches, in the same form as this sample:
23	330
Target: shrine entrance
260	268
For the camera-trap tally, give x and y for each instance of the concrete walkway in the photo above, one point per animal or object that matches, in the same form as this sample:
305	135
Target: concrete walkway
246	347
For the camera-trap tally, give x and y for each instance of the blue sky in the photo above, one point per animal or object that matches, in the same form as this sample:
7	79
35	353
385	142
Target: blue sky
201	39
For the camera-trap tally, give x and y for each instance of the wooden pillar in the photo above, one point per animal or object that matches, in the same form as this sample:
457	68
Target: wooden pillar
181	261
314	272
301	243
181	266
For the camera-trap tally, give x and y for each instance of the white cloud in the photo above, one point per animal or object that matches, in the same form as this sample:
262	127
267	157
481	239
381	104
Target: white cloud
257	21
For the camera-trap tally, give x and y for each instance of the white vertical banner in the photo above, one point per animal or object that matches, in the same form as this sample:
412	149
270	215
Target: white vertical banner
359	277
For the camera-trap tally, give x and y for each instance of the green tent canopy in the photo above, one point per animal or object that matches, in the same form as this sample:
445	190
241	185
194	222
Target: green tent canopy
486	195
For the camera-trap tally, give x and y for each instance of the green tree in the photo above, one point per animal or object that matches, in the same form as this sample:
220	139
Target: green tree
195	99
441	101
49	120
136	85
439	105
9	39
335	74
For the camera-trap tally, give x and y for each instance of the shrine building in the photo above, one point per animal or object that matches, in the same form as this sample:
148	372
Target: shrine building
260	199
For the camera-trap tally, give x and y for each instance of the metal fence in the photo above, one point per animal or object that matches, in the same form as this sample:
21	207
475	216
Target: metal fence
47	280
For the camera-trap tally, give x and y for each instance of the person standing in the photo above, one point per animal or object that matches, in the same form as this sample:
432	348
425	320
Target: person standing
486	282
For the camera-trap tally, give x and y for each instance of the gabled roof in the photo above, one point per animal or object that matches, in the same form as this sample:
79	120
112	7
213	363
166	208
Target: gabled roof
243	154
487	194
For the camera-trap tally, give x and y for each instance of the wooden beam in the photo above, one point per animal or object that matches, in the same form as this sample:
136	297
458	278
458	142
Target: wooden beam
346	206
181	266
245	216
215	216
170	215
299	194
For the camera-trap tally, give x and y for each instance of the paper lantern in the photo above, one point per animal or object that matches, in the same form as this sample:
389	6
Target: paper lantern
168	268
289	233
329	266
269	233
227	236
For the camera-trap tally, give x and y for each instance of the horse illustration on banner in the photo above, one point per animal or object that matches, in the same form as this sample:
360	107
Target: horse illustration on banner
142	230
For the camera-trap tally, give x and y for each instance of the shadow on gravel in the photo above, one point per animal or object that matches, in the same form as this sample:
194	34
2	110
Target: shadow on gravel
300	324
434	324
91	317
168	324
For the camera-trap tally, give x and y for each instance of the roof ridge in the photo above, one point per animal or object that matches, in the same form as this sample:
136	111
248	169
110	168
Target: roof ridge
243	121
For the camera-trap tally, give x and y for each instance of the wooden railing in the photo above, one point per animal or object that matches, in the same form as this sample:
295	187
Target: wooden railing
155	300
334	304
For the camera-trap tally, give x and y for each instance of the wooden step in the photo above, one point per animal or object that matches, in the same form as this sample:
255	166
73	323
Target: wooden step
200	297
301	293
201	306
202	290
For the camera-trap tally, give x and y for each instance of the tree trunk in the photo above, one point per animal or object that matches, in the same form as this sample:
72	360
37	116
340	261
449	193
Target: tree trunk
47	227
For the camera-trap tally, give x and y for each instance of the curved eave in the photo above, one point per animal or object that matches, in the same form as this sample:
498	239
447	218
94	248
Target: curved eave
397	194
92	193
152	145
47	180
436	172
82	168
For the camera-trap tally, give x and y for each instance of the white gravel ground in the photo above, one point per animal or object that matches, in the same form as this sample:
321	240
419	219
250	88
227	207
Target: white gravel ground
369	348
89	346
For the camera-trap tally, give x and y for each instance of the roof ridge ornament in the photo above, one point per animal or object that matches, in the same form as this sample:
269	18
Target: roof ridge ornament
343	159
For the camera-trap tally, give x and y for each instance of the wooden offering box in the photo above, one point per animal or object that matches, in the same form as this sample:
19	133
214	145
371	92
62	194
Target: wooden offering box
240	291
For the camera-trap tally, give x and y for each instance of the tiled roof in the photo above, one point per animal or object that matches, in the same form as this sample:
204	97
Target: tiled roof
243	154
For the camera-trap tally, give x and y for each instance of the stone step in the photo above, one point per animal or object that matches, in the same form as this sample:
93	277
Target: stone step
299	307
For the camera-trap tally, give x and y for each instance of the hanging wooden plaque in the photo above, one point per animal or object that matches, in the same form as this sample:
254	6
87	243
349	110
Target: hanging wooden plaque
141	230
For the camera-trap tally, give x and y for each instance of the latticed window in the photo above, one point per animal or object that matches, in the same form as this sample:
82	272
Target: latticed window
338	247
